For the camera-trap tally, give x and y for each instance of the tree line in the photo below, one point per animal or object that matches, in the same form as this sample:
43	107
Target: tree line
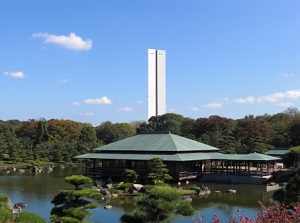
59	140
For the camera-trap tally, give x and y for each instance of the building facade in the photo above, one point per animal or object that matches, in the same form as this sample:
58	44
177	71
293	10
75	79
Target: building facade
156	82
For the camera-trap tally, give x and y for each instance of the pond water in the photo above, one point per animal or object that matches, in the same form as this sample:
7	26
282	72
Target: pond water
38	191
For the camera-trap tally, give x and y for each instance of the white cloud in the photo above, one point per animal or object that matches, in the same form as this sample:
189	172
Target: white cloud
286	74
103	100
76	103
293	94
213	105
139	102
62	81
126	109
286	104
87	114
72	41
194	108
16	74
245	100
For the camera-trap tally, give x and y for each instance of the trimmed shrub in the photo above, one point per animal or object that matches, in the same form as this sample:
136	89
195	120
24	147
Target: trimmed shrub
27	217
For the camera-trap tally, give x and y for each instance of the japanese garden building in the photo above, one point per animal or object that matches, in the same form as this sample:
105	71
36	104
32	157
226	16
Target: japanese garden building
185	158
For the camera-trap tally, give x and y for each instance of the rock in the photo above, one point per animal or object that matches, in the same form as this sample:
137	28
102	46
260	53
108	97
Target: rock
231	191
187	198
48	169
105	192
132	190
21	170
34	169
109	186
107	206
96	188
137	186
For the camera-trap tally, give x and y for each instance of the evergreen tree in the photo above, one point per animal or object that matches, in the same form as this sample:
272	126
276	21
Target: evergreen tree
157	171
161	204
70	205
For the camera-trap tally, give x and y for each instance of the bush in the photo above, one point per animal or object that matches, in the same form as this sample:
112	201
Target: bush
114	191
5	212
27	217
148	187
126	186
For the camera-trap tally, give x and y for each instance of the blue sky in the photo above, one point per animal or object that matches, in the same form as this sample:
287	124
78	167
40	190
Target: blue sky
87	60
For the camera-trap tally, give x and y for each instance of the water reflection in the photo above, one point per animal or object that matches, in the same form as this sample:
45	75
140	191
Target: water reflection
38	190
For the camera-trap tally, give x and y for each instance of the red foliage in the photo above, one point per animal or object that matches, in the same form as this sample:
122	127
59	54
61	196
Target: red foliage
277	213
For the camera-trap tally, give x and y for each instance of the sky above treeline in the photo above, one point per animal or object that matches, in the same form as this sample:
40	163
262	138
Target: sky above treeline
87	60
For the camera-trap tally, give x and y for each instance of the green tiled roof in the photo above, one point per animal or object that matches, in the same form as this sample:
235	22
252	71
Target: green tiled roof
243	157
277	152
168	147
132	156
157	142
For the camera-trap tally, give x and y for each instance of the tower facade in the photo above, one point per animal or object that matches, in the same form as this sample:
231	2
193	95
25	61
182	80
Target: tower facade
156	82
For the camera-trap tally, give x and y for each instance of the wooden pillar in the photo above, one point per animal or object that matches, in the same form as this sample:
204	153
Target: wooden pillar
94	169
227	167
222	165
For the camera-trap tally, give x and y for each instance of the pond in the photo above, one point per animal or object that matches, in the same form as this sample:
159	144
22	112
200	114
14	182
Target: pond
38	190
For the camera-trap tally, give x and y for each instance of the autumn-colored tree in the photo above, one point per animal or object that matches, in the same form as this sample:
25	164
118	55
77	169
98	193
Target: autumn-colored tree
66	130
254	135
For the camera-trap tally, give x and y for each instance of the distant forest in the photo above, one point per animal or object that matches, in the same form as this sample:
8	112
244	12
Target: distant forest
59	140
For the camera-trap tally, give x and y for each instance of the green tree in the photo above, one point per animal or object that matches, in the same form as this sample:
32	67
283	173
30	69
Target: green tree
186	128
294	156
9	142
280	130
291	192
167	122
130	175
42	131
295	131
71	205
88	139
161	204
157	171
109	132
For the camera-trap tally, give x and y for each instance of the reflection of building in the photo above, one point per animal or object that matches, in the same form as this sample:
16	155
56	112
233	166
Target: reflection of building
156	82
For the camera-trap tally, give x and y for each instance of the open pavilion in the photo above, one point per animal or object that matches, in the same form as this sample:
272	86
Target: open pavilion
185	158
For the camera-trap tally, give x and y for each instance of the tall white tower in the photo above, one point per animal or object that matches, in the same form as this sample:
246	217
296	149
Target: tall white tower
156	82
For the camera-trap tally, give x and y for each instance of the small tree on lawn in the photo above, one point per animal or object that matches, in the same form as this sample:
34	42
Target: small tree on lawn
130	175
161	204
70	205
158	173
